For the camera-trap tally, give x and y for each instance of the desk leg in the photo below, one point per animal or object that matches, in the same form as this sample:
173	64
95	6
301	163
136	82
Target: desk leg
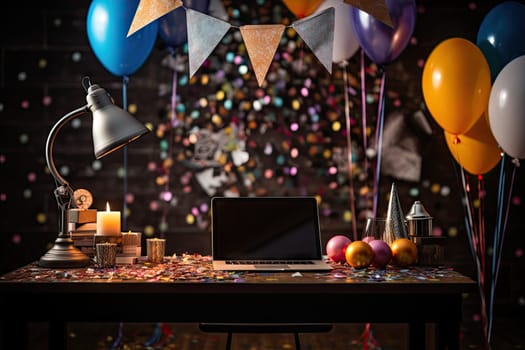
416	335
447	335
57	335
14	335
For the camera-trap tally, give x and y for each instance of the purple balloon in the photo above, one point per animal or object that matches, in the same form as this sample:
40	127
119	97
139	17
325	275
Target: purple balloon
382	253
382	43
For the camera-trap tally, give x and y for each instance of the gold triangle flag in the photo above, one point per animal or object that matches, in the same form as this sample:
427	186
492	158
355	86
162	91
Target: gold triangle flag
150	10
204	33
261	43
317	31
375	8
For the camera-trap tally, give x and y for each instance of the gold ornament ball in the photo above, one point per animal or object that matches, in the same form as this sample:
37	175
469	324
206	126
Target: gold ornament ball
359	254
404	252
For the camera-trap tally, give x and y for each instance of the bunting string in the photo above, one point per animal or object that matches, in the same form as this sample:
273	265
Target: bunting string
349	150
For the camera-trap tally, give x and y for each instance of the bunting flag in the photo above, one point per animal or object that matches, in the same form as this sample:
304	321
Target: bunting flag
317	31
261	43
375	8
204	33
150	10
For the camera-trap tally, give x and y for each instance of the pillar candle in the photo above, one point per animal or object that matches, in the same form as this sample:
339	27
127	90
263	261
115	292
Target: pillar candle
108	222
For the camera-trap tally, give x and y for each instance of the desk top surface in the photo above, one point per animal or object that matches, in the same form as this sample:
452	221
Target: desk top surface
153	292
195	269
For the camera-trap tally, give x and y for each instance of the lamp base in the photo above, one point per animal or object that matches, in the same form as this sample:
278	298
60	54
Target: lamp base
64	254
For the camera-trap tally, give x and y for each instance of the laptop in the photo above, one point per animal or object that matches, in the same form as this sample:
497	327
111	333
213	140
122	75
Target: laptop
266	234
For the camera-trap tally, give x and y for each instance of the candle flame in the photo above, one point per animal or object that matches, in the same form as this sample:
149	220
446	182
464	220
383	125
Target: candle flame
107	206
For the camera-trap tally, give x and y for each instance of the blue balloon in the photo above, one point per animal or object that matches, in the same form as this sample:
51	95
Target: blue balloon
108	23
383	44
172	26
500	35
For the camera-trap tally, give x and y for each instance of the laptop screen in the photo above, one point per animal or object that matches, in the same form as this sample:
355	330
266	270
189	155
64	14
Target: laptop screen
245	228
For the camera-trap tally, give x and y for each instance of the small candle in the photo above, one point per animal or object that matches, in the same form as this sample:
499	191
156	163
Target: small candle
106	254
130	242
108	222
156	248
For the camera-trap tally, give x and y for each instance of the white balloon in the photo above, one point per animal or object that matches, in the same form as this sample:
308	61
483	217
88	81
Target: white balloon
507	108
345	41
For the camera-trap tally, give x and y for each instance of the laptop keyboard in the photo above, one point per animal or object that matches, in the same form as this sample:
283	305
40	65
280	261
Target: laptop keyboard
269	262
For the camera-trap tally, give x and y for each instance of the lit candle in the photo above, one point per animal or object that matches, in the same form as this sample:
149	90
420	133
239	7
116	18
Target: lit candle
108	222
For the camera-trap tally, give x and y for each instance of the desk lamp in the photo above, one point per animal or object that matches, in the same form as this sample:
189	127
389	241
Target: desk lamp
113	128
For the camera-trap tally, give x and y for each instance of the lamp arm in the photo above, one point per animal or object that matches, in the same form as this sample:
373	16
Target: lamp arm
63	192
51	142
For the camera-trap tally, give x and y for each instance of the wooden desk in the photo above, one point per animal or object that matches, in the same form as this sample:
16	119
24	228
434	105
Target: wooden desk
159	293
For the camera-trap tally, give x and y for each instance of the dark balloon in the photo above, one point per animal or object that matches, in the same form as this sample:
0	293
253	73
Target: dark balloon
500	35
383	44
172	26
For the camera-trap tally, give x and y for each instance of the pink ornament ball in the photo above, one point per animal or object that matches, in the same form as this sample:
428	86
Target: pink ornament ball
367	239
336	248
382	253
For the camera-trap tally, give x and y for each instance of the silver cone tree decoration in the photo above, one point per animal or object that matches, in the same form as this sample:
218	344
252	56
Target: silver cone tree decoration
395	220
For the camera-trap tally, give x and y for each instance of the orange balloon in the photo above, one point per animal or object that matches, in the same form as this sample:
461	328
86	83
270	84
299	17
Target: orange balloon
359	254
404	252
477	151
302	8
456	84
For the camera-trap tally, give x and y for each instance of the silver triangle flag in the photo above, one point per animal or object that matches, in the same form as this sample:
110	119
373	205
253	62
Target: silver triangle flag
317	31
204	33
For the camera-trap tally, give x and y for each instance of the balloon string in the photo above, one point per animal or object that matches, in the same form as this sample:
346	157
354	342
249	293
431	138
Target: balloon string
487	319
118	341
125	80
499	234
474	241
363	108
349	152
155	337
365	336
368	338
474	247
495	243
379	140
481	221
504	230
498	231
166	330
171	125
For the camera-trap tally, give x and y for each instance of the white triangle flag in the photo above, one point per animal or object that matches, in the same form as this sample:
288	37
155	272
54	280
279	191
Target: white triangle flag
204	33
317	31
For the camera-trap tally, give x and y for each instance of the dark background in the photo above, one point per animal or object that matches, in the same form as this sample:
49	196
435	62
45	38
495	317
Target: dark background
45	53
